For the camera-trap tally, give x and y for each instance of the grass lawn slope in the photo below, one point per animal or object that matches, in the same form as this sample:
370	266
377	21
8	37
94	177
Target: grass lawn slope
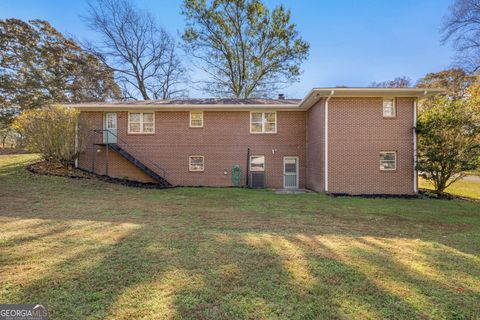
93	250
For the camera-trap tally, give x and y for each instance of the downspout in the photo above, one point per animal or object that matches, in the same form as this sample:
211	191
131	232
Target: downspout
248	167
76	144
415	173
326	140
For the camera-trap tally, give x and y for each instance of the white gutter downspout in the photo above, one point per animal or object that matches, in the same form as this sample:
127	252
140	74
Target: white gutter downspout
76	144
415	173
326	140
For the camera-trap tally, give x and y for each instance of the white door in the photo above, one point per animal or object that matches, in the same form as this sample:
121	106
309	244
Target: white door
290	172
110	126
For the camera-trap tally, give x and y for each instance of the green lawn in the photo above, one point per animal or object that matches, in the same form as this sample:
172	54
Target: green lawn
464	188
93	250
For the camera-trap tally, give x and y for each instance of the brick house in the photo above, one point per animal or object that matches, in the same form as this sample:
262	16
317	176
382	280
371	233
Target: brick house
336	140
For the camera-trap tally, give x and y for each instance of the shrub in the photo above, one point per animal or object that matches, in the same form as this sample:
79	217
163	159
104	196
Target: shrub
51	131
448	141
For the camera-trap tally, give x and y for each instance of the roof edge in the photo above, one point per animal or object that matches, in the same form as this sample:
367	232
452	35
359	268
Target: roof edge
316	93
310	99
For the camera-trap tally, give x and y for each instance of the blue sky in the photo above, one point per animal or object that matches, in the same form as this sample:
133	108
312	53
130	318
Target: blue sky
353	42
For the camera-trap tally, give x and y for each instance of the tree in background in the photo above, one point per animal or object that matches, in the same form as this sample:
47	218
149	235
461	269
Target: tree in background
39	67
462	27
246	49
51	131
448	140
142	54
398	82
454	81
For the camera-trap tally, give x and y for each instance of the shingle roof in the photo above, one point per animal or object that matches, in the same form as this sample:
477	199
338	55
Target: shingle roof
200	101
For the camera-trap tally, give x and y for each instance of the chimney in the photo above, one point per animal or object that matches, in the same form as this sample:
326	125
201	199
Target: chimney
281	96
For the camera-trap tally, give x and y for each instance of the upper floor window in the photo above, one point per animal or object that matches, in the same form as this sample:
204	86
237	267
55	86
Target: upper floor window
141	122
196	119
263	122
389	108
388	160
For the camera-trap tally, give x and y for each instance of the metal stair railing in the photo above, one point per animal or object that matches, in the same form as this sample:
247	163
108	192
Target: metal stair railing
101	131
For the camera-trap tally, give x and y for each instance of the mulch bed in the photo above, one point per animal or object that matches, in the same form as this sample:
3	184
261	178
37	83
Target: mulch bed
53	169
446	196
422	193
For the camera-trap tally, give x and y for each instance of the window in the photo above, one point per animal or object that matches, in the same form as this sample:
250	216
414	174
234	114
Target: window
263	122
141	122
110	120
388	160
257	163
196	119
196	163
389	110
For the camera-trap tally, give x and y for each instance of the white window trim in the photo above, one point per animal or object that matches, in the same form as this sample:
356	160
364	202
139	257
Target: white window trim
296	172
380	161
250	162
141	122
394	107
190	163
263	123
190	119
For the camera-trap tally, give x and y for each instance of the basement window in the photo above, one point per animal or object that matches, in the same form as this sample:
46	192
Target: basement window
141	122
389	108
196	163
196	119
263	122
388	160
257	163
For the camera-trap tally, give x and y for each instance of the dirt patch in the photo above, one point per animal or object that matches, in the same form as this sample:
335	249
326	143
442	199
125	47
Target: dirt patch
53	169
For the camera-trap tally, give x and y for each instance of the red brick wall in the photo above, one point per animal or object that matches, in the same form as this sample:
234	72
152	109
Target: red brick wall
94	157
223	141
315	141
357	134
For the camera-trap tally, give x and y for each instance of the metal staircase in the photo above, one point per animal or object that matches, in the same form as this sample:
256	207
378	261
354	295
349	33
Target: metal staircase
147	169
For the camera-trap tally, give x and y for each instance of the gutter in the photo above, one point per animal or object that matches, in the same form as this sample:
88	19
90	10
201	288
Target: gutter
326	140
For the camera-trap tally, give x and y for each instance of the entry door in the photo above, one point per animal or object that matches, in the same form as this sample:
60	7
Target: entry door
290	172
110	126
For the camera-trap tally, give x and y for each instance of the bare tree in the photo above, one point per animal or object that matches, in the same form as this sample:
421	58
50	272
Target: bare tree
398	82
461	26
142	54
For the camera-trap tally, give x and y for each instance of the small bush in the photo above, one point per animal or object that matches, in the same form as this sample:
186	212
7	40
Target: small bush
51	131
